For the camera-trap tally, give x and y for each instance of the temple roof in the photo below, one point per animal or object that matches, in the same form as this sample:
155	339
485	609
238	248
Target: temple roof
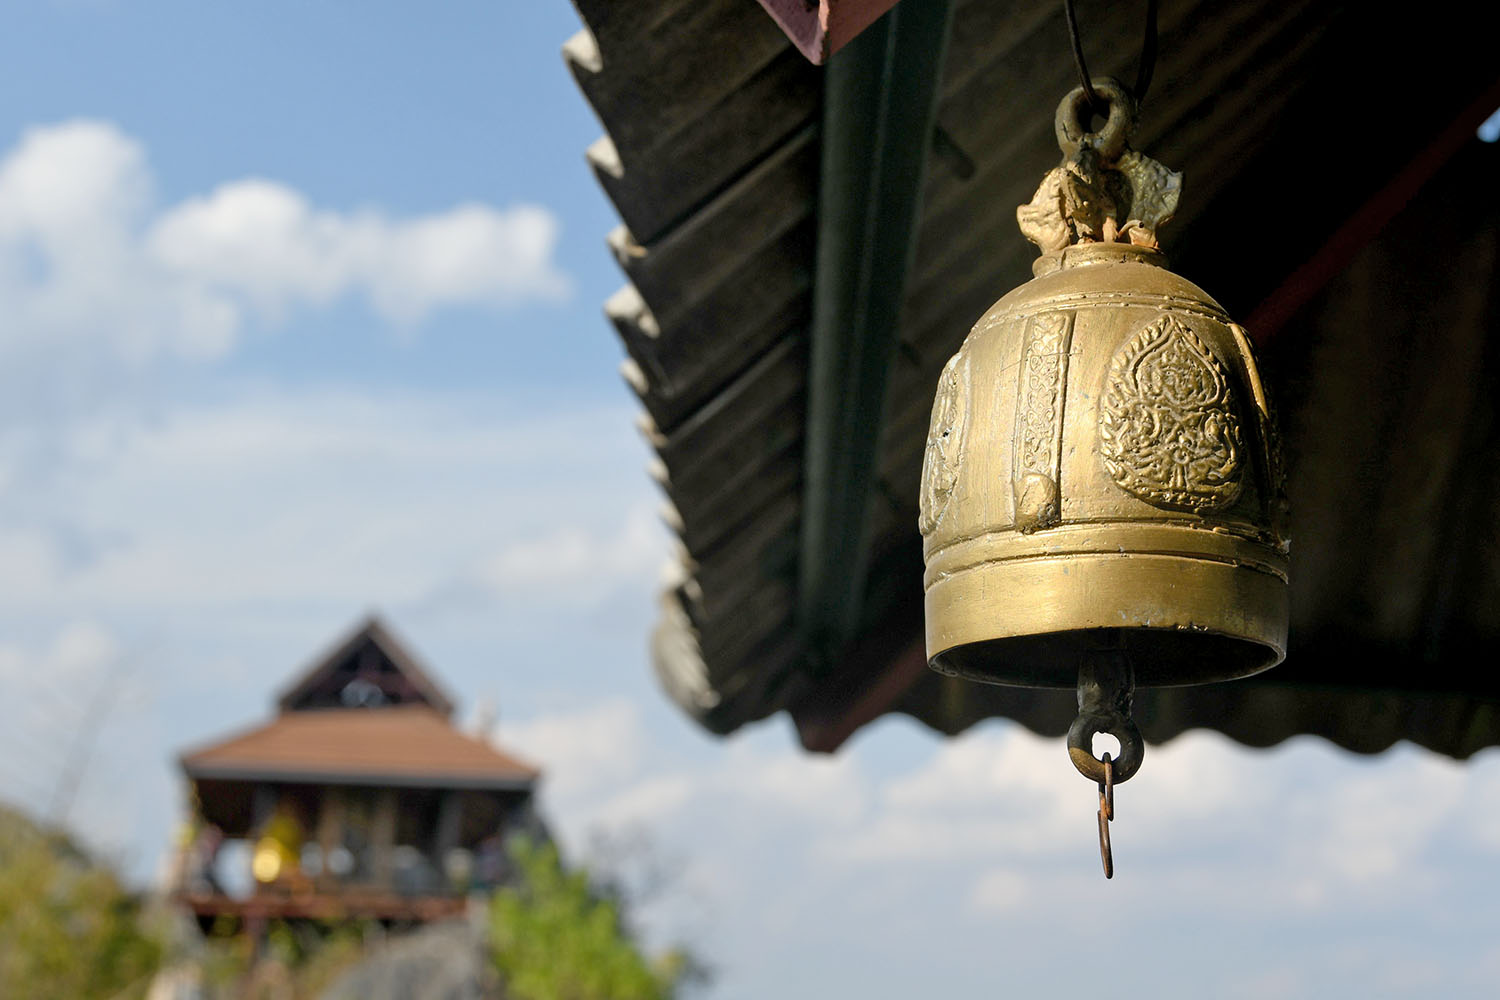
367	667
402	745
365	712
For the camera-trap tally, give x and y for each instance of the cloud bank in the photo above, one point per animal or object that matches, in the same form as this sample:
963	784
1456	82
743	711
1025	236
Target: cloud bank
1303	863
88	260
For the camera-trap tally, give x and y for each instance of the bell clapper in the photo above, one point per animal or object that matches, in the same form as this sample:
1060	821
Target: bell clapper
1106	692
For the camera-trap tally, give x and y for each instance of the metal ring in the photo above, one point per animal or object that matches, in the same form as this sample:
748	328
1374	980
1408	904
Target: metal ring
1081	745
1107	788
1106	849
1073	114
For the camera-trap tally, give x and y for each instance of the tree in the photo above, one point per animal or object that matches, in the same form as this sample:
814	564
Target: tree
68	929
555	938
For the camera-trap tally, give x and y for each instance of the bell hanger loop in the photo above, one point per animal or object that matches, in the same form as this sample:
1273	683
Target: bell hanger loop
1073	114
1145	67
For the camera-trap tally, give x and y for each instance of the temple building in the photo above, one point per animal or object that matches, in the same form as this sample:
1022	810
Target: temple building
360	798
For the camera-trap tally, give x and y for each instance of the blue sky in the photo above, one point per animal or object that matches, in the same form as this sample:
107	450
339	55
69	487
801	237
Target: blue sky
300	317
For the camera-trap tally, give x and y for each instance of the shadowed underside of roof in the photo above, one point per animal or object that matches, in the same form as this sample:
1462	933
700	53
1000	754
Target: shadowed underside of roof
715	139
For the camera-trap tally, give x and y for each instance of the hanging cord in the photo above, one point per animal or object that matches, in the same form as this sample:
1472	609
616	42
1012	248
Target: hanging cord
1144	69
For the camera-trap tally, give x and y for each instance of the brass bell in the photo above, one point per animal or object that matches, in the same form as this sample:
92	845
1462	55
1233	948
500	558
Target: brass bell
1101	492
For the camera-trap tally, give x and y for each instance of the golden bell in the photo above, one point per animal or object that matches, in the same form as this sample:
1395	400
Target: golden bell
1102	469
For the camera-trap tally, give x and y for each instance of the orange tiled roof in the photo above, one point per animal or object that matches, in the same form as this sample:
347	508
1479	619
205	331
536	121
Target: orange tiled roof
402	745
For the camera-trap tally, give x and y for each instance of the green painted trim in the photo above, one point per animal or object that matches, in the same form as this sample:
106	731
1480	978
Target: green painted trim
879	100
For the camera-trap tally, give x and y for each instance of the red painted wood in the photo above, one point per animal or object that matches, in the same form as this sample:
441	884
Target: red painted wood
824	730
338	905
1315	274
821	29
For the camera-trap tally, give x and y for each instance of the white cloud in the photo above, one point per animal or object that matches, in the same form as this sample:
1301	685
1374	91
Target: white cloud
1369	832
313	497
87	258
789	786
646	803
999	889
588	750
990	836
73	271
570	562
988	795
263	242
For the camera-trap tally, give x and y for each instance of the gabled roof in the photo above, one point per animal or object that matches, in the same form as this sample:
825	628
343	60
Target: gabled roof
370	654
401	745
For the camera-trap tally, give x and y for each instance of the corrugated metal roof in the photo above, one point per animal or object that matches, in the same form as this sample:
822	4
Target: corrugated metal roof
711	156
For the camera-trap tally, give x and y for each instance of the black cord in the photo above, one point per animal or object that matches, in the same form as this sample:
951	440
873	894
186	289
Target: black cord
1144	69
1147	66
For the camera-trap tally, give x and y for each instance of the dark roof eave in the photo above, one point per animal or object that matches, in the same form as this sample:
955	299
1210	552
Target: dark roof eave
291	776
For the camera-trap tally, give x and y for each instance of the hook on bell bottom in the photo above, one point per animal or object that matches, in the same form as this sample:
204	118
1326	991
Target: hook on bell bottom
1106	695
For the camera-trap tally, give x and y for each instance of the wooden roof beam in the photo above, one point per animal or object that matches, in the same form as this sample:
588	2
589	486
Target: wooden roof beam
879	101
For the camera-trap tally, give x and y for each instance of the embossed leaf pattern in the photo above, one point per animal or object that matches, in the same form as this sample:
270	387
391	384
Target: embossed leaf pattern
1154	189
944	439
1044	374
1168	427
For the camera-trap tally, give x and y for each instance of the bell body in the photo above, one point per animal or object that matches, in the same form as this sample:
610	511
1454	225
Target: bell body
1102	469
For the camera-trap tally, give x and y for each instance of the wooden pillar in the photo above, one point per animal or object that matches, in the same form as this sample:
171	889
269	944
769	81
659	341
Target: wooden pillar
262	808
447	836
449	826
330	831
383	838
263	802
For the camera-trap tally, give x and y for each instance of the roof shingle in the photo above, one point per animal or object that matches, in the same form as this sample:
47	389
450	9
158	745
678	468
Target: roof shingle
404	744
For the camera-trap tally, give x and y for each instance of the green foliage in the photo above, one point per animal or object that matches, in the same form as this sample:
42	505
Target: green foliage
68	929
301	959
555	938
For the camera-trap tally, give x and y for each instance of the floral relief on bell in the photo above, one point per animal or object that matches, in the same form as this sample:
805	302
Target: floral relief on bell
1168	430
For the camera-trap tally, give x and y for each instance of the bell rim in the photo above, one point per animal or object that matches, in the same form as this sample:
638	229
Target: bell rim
1164	594
1062	675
